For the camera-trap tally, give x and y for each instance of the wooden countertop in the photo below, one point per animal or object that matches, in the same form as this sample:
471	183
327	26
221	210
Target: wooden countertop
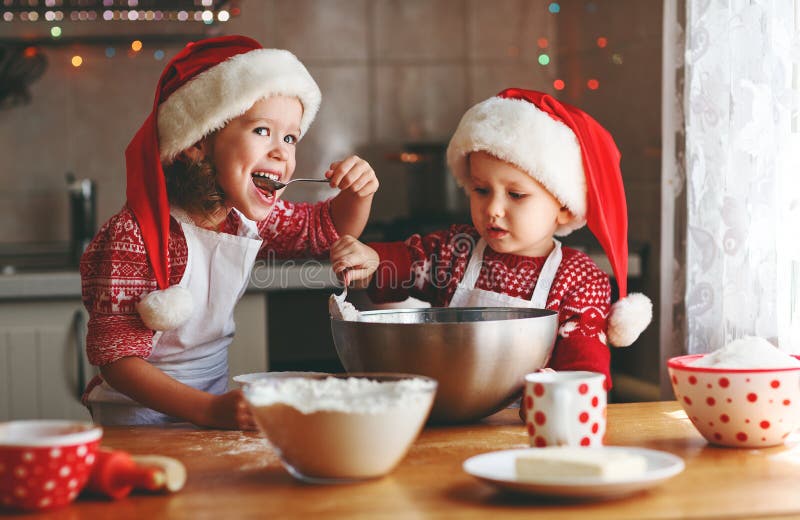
234	475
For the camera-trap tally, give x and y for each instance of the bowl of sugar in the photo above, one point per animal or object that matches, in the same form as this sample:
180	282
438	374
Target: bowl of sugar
744	395
340	428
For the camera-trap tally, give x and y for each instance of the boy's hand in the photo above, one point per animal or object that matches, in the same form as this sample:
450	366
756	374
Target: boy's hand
358	259
353	175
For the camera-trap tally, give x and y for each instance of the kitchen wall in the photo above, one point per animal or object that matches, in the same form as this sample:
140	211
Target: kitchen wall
391	71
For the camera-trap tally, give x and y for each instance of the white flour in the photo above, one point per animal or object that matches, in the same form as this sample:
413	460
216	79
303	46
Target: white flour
350	395
748	352
342	309
338	428
396	317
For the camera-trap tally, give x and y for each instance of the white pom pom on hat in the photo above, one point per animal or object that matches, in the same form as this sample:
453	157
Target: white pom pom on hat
204	86
166	309
628	319
574	158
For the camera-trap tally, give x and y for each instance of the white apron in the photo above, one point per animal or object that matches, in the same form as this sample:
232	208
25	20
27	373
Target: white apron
196	353
467	295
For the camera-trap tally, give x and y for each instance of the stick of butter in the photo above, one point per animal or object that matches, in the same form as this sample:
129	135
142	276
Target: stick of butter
569	461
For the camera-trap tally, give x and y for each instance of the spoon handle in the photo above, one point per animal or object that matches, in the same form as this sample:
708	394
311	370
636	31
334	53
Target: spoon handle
271	184
307	180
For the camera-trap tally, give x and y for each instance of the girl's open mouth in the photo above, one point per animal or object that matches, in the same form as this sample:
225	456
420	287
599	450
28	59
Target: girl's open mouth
263	181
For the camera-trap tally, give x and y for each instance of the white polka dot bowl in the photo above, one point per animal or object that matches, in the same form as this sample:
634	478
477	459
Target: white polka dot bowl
44	464
740	408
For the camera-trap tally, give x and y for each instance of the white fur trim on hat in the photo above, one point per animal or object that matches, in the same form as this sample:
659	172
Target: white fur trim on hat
227	90
628	319
166	309
516	131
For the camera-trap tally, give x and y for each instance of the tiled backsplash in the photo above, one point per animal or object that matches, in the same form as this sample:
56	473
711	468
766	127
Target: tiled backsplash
390	72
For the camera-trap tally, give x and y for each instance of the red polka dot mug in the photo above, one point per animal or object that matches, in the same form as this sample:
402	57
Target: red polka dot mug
736	407
565	408
44	464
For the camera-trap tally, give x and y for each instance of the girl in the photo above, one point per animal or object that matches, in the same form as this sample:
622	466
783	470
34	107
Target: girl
533	168
161	278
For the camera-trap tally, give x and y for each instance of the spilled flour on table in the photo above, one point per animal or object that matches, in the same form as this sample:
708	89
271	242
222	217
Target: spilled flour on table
250	445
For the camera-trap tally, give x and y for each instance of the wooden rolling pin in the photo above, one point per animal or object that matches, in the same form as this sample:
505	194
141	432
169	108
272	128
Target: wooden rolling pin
116	473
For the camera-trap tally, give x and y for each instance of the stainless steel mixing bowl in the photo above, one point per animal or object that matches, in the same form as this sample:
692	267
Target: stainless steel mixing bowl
479	355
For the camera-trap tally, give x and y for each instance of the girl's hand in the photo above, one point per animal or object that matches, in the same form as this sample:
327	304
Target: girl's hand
353	175
358	259
231	412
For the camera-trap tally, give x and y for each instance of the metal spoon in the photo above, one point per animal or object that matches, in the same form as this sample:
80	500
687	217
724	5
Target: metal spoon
265	183
343	296
338	307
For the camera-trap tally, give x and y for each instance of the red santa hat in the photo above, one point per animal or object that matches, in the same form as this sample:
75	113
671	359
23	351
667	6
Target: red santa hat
576	159
206	85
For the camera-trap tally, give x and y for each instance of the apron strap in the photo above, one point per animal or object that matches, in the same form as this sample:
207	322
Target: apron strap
247	227
180	215
473	269
543	284
547	276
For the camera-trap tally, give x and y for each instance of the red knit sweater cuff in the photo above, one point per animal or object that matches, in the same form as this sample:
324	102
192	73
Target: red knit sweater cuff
582	353
392	279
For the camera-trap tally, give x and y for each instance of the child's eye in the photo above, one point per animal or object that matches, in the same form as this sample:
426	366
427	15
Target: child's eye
263	131
516	195
480	191
290	138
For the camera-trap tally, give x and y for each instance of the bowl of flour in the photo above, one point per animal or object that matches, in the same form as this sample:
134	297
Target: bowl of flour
744	395
340	428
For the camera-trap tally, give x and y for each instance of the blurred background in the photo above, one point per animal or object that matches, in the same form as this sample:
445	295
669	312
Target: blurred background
396	76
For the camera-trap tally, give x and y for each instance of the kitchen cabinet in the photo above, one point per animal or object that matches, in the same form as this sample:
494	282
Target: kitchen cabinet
43	366
41	360
249	351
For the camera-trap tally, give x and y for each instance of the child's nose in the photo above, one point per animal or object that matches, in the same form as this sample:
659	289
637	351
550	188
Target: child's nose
495	207
278	150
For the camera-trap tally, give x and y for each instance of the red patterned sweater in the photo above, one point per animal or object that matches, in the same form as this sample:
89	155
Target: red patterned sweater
430	267
115	271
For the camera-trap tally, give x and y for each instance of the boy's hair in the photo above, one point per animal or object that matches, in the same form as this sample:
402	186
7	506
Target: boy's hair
192	185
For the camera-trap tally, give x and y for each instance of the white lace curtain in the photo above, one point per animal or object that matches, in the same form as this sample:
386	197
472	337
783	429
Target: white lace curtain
742	149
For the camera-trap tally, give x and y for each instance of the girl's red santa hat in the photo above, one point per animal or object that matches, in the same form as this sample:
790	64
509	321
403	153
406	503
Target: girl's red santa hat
576	159
206	85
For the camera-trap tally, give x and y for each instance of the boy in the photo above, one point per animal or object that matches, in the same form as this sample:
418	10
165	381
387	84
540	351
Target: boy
533	168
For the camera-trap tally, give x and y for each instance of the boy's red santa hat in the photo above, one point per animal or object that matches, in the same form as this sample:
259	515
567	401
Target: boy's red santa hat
206	85
575	159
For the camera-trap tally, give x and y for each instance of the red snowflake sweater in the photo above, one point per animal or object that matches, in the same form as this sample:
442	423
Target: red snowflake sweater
430	267
115	272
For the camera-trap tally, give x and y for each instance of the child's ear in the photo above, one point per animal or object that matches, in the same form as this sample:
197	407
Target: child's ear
194	153
564	216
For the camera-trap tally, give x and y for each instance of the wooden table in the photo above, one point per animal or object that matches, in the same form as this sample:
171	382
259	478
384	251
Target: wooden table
234	475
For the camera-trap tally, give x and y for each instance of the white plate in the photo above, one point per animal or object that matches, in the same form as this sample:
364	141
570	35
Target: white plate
497	468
